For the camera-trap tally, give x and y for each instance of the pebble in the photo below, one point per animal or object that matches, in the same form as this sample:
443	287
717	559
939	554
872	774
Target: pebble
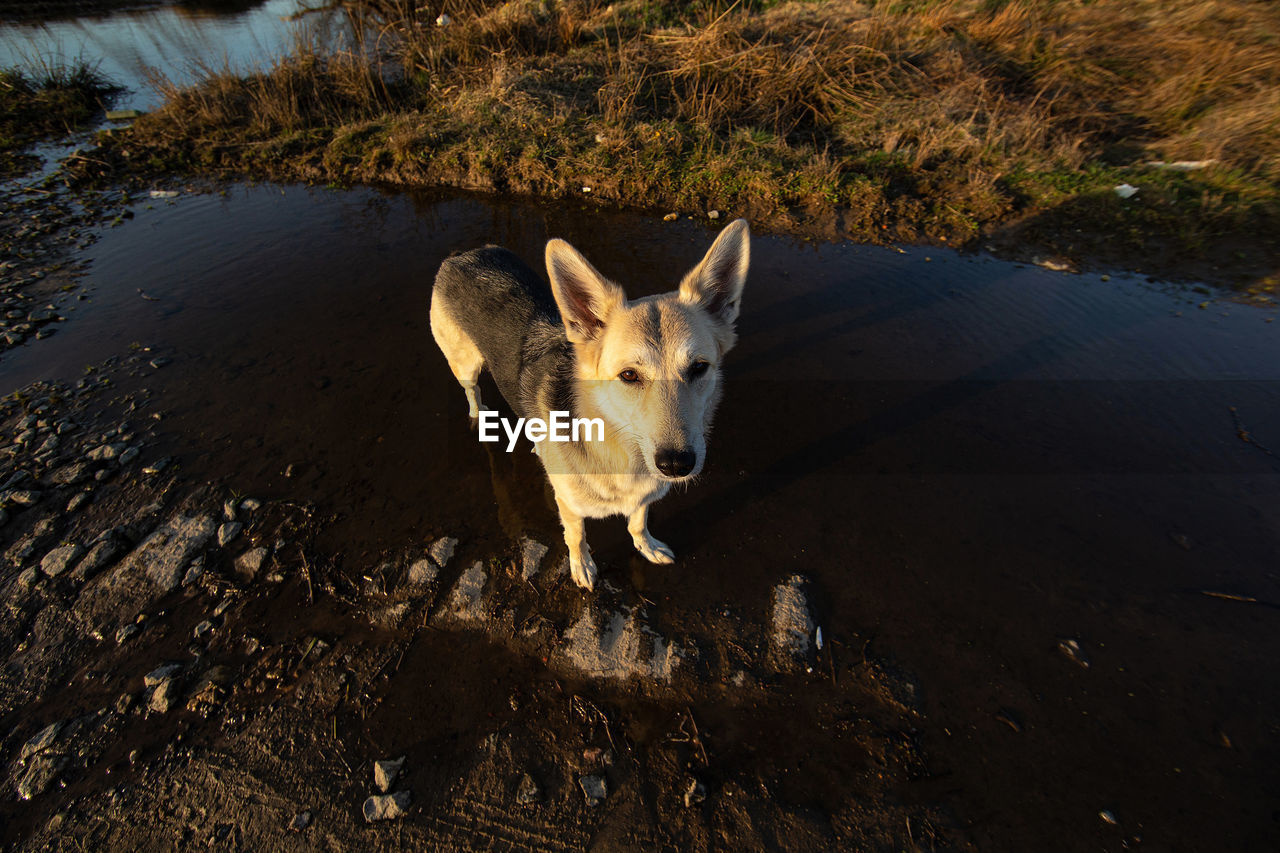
228	531
126	632
528	792
250	504
1071	648
250	562
60	559
105	452
41	740
300	821
157	466
203	628
160	361
78	500
595	788
129	455
161	673
229	509
164	696
386	806
40	774
694	793
671	217
385	773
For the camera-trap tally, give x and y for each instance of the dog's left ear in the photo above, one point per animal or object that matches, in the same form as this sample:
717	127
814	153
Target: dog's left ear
716	283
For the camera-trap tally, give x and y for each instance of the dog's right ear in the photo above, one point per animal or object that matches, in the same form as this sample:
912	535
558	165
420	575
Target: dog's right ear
585	297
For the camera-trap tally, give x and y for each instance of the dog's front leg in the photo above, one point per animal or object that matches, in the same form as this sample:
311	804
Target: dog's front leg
651	549
581	566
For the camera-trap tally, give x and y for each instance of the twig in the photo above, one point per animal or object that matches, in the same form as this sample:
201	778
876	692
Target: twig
697	738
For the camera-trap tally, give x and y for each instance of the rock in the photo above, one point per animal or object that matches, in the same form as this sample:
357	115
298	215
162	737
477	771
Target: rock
40	774
229	509
386	806
72	475
28	579
129	455
60	559
98	558
300	821
1071	648
793	624
250	562
194	572
595	788
160	361
105	452
41	740
211	689
23	497
164	672
694	793
201	630
441	551
127	631
671	217
617	645
385	773
466	599
422	572
228	531
713	214
158	466
162	558
78	500
250	504
164	696
528	792
531	554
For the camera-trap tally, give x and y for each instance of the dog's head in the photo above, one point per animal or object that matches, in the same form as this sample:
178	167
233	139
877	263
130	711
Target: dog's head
651	368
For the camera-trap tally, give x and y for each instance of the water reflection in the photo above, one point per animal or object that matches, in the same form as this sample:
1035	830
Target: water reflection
178	43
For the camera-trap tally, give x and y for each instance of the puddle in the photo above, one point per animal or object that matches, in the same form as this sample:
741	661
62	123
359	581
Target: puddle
972	460
177	41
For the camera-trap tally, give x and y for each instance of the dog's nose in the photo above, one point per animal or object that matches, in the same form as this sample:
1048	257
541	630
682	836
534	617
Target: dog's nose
675	463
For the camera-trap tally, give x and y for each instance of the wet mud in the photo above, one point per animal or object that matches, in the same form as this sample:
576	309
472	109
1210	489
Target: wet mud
1036	516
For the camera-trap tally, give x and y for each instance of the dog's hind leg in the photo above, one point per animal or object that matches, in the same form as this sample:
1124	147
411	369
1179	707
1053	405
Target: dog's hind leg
651	549
581	566
459	350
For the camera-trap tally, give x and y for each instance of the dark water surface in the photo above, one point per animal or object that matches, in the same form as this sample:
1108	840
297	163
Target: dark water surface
973	460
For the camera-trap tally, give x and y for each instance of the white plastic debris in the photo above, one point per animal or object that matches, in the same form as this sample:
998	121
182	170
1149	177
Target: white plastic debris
164	193
444	20
1126	191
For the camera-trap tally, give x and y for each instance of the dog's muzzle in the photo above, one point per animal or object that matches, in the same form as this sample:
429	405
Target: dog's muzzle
675	463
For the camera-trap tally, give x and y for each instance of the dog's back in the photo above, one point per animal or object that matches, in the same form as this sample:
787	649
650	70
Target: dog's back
511	316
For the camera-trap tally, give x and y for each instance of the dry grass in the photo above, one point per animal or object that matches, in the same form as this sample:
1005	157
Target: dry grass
939	119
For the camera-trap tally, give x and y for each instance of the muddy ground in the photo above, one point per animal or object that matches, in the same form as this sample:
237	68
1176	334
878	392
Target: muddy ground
250	549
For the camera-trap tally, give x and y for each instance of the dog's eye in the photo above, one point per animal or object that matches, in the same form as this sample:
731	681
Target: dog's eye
698	368
629	376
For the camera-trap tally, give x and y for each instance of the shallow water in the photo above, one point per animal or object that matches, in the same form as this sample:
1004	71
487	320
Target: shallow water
974	460
175	42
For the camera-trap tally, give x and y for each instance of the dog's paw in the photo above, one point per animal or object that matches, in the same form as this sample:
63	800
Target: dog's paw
583	571
654	551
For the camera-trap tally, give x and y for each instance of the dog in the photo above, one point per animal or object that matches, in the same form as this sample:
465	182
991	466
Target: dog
648	368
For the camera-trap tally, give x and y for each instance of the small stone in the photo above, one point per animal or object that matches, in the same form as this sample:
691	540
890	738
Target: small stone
386	806
24	497
528	792
595	788
422	572
129	455
694	793
671	217
125	703
531	554
161	673
40	773
105	452
441	551
164	696
385	773
229	509
60	559
228	531
78	500
29	578
1071	648
41	740
160	361
250	504
157	466
1108	817
72	475
194	572
202	629
126	631
300	821
250	562
713	214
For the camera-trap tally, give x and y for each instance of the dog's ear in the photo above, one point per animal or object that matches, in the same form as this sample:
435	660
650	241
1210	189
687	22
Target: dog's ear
585	297
716	283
